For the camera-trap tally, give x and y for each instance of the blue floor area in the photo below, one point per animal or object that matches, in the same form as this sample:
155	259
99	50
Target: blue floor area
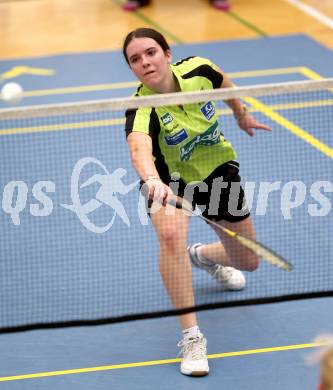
229	330
77	271
100	68
73	266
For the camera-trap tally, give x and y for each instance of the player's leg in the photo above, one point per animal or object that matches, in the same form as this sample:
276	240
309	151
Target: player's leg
239	256
228	251
223	200
214	251
214	259
133	5
175	269
223	5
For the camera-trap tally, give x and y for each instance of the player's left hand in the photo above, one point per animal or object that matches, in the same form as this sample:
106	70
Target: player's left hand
248	123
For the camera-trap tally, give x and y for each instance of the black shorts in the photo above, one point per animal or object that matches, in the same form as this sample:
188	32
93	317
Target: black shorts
219	197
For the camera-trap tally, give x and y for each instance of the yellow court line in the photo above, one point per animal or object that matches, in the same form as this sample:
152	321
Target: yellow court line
310	139
121	121
133	84
21	70
313	141
63	126
311	74
86	88
159	362
265	72
309	104
285	106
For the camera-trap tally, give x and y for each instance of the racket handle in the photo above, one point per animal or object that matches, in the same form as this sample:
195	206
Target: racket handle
175	202
180	203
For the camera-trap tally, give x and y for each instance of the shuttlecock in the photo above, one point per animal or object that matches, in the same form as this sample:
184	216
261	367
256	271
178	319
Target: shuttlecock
11	93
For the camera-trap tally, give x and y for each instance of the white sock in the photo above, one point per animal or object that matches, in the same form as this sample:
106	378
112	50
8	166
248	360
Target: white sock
192	333
202	258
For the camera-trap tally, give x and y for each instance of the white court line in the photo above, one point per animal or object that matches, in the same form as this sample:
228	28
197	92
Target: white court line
312	12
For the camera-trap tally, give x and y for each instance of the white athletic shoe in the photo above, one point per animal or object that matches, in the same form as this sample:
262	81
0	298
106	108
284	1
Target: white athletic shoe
230	278
194	361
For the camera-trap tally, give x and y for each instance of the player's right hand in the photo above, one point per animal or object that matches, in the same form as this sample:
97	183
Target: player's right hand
158	191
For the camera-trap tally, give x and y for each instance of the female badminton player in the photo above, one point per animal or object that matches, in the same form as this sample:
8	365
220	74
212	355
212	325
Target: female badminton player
187	140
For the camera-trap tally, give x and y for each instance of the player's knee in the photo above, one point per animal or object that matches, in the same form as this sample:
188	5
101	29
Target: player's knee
170	240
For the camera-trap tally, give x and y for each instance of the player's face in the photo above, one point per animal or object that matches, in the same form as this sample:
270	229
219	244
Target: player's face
149	62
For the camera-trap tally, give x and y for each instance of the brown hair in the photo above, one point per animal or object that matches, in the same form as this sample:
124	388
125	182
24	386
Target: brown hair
145	33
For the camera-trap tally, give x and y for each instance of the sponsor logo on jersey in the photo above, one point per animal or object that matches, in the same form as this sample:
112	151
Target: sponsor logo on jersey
166	119
176	138
208	110
210	137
